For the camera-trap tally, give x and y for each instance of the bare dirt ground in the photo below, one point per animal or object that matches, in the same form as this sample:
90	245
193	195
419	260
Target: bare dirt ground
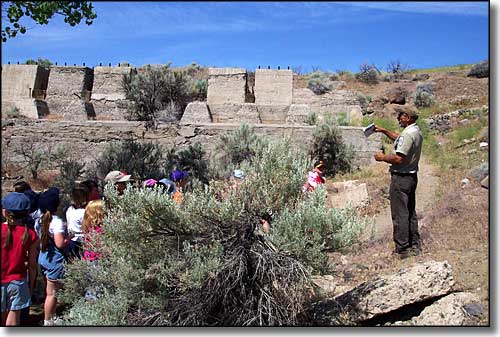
453	223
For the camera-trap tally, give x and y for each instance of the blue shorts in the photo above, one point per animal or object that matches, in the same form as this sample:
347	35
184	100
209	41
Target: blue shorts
52	263
15	295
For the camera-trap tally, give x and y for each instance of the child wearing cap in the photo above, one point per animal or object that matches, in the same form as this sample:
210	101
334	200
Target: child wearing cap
119	179
52	232
179	178
19	248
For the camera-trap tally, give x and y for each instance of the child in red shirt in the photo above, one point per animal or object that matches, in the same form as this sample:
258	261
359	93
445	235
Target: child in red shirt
19	246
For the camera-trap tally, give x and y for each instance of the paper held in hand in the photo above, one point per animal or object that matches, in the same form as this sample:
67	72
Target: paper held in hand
368	130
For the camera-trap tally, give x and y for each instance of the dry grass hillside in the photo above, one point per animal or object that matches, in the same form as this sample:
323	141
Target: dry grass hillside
453	215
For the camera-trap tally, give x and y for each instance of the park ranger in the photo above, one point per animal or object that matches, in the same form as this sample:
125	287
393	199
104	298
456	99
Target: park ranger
404	167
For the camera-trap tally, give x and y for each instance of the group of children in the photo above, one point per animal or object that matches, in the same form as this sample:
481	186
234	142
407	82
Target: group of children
35	238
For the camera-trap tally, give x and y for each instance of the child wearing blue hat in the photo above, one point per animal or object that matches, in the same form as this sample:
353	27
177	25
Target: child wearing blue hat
179	178
19	248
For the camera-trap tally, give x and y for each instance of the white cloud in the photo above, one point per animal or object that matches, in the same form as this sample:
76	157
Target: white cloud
445	7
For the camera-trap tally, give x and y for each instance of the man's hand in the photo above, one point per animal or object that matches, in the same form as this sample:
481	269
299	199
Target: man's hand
378	129
391	134
379	156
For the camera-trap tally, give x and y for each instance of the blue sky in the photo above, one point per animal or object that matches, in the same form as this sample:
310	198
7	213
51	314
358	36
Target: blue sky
327	35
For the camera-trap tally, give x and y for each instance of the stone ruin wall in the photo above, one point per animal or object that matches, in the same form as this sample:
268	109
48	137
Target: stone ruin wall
87	109
82	93
108	98
65	92
273	94
87	139
22	87
68	92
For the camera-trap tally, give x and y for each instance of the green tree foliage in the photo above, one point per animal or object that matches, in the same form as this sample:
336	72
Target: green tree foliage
36	157
142	160
148	160
368	73
234	148
328	145
425	95
41	62
41	12
159	88
191	160
206	261
321	82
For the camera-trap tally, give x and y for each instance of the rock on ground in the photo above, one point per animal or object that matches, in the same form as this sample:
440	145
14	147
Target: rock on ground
452	310
371	299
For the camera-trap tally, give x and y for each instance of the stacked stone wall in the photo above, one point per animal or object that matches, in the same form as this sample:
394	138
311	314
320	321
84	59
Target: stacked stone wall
68	93
86	139
226	92
334	103
108	96
273	94
21	84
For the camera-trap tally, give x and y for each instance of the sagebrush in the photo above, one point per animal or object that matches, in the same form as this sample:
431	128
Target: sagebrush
206	261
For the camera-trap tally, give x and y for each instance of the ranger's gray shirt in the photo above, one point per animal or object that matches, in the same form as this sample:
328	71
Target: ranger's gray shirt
409	143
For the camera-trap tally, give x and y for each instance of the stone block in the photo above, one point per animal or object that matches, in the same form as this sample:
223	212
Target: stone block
20	81
451	310
223	113
419	283
355	116
347	193
273	114
108	83
21	85
248	113
298	114
111	109
226	86
69	82
196	112
68	90
273	87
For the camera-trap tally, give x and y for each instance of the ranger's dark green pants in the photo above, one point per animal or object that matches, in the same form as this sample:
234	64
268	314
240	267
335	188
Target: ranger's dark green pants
404	217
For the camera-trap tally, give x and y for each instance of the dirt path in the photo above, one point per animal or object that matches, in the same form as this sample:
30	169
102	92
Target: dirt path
426	198
453	224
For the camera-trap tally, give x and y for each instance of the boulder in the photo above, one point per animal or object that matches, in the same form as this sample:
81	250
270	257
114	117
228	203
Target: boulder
371	299
325	284
421	77
464	183
376	105
347	193
480	172
397	95
187	132
486	182
452	310
480	70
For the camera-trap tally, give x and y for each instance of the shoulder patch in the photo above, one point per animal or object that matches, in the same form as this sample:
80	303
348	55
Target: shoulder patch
400	141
